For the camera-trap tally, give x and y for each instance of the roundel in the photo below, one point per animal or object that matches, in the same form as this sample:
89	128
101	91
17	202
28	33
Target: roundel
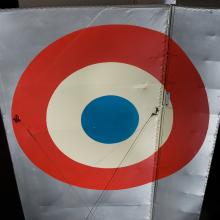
87	110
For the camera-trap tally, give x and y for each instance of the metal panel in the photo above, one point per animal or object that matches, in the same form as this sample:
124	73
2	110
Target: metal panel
23	34
180	196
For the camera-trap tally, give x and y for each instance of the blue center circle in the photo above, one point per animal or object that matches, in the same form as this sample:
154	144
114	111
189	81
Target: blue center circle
109	119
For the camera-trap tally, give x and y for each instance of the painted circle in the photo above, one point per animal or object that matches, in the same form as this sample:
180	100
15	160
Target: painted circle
137	46
72	95
109	119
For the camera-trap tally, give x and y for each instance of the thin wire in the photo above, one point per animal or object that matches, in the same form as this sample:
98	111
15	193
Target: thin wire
96	205
18	120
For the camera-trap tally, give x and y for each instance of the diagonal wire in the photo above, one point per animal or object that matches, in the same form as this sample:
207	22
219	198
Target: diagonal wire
92	211
17	119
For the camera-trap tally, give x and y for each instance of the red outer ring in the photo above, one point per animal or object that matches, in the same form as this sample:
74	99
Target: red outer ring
134	45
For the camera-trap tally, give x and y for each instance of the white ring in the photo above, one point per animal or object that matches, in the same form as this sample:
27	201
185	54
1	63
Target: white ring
111	78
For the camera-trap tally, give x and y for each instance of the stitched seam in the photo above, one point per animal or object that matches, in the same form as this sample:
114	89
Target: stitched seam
161	100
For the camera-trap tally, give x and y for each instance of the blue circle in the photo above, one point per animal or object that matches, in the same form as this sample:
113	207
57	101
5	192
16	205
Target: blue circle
109	119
